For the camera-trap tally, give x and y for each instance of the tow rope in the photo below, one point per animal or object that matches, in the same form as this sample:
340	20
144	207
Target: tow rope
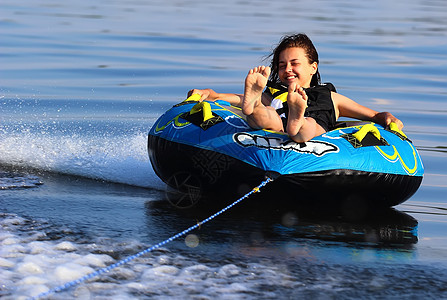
130	258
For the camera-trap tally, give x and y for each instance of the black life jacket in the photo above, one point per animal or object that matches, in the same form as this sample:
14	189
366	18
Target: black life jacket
319	103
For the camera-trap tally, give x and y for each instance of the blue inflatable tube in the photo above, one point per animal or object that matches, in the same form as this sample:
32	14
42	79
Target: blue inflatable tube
206	150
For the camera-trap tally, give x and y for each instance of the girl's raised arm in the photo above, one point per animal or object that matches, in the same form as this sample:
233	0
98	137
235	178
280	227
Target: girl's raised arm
345	107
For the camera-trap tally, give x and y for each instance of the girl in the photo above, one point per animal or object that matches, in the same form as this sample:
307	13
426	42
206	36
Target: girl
294	100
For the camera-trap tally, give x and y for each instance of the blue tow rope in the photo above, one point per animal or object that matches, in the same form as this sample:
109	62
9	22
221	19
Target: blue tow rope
130	258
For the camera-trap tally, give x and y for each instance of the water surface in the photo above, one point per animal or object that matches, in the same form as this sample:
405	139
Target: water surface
82	83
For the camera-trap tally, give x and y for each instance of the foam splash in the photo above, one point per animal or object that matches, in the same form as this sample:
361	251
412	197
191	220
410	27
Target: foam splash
120	158
32	266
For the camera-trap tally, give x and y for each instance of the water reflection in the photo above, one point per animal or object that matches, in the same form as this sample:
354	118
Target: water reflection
388	228
384	228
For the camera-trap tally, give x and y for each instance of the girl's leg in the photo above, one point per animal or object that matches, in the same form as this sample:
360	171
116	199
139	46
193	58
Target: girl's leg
297	101
299	128
265	117
259	115
255	83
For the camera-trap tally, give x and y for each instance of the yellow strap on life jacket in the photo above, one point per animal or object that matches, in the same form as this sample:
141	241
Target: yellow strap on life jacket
282	96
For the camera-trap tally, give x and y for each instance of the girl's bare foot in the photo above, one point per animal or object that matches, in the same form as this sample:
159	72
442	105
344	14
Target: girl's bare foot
255	83
297	102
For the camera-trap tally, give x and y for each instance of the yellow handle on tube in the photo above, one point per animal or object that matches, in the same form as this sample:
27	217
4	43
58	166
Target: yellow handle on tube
205	107
394	127
193	97
360	135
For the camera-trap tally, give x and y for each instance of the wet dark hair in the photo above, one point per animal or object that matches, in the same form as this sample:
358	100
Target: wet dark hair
299	40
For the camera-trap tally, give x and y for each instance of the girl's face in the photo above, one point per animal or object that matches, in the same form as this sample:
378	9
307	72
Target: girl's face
294	66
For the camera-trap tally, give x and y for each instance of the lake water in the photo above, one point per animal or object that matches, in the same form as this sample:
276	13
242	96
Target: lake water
82	82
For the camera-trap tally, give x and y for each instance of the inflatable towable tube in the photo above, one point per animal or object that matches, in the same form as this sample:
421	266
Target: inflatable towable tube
208	149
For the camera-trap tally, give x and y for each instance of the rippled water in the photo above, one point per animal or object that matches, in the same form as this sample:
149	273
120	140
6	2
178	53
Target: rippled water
80	85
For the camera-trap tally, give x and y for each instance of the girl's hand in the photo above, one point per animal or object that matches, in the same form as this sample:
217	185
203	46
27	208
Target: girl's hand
204	94
385	118
211	95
